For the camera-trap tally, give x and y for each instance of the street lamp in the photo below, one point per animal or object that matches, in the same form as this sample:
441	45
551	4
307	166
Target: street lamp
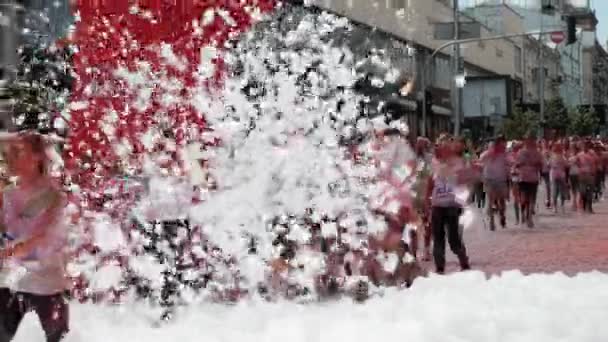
460	80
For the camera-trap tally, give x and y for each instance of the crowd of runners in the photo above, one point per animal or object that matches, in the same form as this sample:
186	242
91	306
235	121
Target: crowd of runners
449	175
498	174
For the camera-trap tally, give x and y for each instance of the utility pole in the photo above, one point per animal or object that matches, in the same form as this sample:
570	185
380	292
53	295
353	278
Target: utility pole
424	99
456	91
8	59
428	61
541	79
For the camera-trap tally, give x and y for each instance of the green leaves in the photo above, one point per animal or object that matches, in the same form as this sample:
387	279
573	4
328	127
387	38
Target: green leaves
583	122
558	119
520	123
556	116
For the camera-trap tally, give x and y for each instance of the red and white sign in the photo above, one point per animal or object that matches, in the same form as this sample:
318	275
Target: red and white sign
558	36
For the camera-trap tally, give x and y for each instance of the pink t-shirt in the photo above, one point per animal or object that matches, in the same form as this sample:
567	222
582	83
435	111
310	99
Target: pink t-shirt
530	163
496	166
43	271
558	165
586	164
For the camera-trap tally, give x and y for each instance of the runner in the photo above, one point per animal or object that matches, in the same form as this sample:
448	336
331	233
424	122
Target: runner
557	166
32	217
479	193
445	209
495	175
597	152
515	179
530	164
574	175
586	166
545	173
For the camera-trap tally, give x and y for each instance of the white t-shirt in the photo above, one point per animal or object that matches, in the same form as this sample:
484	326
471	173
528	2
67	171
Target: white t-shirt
444	193
43	271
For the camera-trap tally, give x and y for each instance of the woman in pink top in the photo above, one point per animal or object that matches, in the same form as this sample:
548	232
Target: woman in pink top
32	218
586	165
529	163
557	172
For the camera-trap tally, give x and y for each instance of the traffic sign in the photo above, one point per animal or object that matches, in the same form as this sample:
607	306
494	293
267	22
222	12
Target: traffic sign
558	36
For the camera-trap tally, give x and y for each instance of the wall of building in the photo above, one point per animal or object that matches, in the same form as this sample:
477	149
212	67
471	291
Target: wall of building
587	75
552	66
415	23
600	73
571	63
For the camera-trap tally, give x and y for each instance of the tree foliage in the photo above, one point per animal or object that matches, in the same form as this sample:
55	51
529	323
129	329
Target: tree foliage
520	124
583	122
556	116
41	87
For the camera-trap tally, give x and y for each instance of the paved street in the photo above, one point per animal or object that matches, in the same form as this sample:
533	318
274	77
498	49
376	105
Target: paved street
569	243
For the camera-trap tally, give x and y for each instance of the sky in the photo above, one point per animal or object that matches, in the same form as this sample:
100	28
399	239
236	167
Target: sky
601	8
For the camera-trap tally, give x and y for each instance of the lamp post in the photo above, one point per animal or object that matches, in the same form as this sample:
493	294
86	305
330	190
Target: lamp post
456	90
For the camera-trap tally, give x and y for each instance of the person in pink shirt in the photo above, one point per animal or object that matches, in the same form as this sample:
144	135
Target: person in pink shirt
530	163
573	181
35	257
586	163
545	173
446	209
514	174
557	172
496	166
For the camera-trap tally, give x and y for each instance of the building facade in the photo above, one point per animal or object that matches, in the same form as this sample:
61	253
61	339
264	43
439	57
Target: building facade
565	78
414	22
600	75
595	72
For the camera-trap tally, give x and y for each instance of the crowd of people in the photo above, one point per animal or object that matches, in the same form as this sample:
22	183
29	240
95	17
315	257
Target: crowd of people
449	175
499	172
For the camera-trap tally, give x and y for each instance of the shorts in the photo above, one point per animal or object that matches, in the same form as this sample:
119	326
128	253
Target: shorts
574	182
586	184
528	189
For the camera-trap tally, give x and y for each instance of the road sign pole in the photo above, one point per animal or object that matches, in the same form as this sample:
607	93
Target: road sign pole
428	60
456	91
423	86
541	69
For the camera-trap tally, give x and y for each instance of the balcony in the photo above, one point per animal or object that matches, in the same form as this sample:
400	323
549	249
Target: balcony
583	11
